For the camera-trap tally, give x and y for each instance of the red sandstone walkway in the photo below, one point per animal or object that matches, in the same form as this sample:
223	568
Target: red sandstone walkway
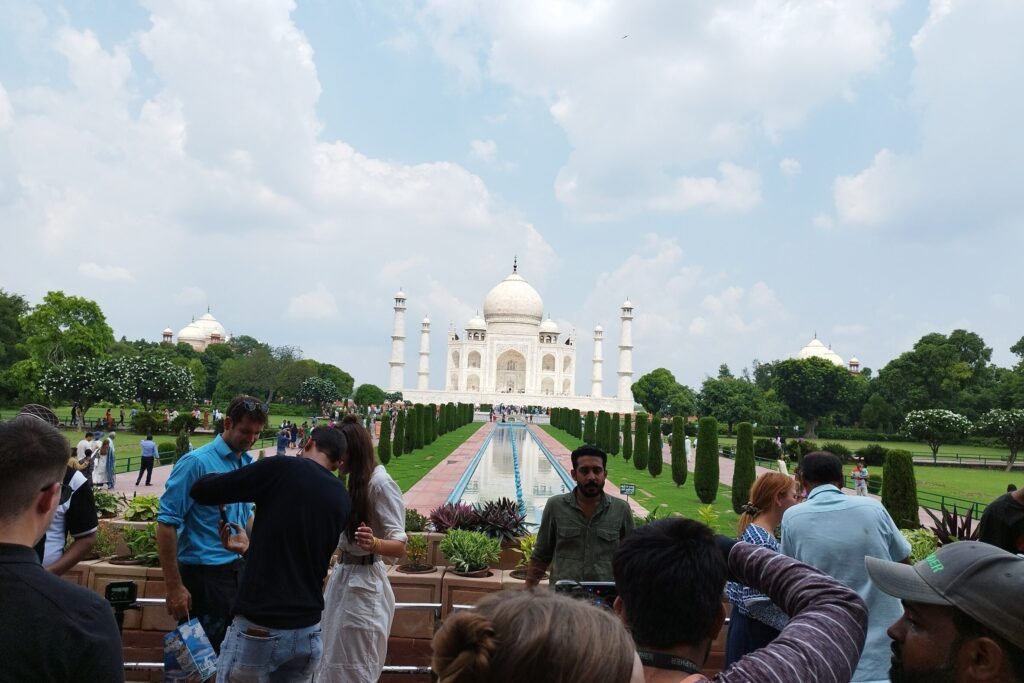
562	454
433	489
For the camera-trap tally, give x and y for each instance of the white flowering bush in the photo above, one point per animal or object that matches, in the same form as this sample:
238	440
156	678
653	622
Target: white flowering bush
1007	426
142	379
318	390
936	427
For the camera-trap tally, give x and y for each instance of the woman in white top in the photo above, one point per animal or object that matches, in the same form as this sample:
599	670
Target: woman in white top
99	456
359	604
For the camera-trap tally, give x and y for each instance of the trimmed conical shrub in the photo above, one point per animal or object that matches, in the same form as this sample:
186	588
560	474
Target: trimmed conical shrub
384	442
705	476
627	437
640	444
655	457
678	450
588	429
899	489
398	442
743	473
614	438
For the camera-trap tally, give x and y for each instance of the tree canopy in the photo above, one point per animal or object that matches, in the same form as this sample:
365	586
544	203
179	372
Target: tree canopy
812	388
368	395
659	392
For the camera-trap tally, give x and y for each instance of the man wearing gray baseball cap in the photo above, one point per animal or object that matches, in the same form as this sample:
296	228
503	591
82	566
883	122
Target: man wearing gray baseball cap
963	619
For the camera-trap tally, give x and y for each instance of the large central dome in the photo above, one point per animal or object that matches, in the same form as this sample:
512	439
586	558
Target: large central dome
513	300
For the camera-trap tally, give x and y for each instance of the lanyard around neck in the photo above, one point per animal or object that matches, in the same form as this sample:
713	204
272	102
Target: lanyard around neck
660	660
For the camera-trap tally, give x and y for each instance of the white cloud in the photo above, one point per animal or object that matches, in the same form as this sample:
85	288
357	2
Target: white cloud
695	83
95	271
316	304
738	189
824	221
962	173
790	167
403	42
6	110
484	150
849	329
189	296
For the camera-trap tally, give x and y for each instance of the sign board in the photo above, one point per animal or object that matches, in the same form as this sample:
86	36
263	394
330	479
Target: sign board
627	489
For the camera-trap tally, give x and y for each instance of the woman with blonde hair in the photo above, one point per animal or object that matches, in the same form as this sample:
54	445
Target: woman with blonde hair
535	636
359	604
755	621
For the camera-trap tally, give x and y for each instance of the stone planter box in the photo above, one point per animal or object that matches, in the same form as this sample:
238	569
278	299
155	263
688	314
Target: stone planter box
509	557
103	573
434	555
463	590
156	618
415	588
510	583
79	574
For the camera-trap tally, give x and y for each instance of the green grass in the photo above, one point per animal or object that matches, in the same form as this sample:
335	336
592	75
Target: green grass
660	493
979	485
409	468
917	448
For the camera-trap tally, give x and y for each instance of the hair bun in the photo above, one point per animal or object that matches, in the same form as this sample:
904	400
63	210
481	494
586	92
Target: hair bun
463	649
350	420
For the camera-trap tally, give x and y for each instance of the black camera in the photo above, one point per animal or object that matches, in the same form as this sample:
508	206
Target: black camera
122	594
600	593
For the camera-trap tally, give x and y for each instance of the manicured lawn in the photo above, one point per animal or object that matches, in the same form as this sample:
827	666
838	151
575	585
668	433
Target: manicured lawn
917	448
979	485
660	493
409	468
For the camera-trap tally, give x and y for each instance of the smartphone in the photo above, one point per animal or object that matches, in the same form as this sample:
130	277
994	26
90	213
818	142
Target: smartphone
223	515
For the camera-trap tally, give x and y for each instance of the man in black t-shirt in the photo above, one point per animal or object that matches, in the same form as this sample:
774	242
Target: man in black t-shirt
75	516
301	511
1002	524
50	629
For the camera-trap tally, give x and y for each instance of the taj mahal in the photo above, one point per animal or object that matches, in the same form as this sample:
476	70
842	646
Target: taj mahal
512	355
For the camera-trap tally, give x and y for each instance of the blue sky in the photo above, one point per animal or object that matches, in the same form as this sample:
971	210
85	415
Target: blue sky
748	173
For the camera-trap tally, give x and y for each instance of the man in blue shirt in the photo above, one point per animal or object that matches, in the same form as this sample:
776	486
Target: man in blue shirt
834	532
202	577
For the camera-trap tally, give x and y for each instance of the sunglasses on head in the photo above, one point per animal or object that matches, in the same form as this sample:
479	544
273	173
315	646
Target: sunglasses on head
251	405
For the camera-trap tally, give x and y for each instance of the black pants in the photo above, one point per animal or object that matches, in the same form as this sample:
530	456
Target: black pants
746	634
213	589
147	469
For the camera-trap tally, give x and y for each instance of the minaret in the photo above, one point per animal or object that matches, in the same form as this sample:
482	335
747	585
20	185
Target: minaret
423	376
626	352
397	361
598	375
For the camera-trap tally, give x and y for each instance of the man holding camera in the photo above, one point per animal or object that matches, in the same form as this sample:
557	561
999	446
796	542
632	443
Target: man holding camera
202	576
580	530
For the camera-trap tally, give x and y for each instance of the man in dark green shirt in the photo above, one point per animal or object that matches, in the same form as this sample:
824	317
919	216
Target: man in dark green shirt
580	530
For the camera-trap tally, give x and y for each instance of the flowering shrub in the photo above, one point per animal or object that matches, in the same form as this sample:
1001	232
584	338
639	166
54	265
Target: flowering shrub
935	427
1008	427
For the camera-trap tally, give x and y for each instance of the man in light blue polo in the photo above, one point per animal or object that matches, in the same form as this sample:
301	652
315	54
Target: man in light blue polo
202	577
834	532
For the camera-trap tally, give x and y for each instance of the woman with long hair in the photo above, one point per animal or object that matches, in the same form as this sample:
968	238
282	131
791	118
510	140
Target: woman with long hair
535	636
755	621
359	604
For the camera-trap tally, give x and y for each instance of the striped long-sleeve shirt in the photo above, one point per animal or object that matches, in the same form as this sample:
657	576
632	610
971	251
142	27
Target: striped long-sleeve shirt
828	621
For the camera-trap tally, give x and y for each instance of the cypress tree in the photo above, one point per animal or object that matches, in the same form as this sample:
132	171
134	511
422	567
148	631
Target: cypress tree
442	427
743	474
602	430
588	429
553	417
705	476
678	451
899	489
613	434
627	436
384	443
432	421
655	457
451	417
416	426
641	443
398	443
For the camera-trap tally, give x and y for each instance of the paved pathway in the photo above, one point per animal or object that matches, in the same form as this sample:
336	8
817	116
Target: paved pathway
435	486
562	454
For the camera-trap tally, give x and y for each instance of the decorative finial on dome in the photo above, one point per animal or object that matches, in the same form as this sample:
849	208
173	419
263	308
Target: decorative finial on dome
515	264
207	309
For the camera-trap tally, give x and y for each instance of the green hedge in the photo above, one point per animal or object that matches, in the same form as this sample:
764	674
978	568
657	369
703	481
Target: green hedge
705	477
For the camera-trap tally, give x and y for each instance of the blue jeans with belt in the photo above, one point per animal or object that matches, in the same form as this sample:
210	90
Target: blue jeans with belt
255	654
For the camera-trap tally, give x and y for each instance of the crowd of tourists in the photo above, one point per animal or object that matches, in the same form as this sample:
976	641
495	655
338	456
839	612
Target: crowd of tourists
245	547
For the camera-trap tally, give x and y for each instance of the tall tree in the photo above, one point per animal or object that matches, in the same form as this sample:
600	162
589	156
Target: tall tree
744	472
655	456
1008	427
812	388
589	432
614	435
398	443
368	395
341	379
602	431
935	427
12	308
627	436
705	475
318	391
642	444
731	400
64	327
659	392
678	451
384	442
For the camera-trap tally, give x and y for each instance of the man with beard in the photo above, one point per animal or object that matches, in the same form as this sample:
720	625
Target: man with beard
963	619
580	530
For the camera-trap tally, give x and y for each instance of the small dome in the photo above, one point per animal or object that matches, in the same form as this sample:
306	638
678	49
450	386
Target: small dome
399	294
815	349
549	326
627	304
168	330
513	300
209	326
476	323
598	328
191	333
426	320
854	361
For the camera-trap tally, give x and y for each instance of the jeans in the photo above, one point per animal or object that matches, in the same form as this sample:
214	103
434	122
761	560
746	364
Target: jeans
745	635
284	656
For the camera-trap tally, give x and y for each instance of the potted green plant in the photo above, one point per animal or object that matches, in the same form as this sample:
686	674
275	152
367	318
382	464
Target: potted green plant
142	509
525	552
416	553
470	552
108	505
142	545
107	540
